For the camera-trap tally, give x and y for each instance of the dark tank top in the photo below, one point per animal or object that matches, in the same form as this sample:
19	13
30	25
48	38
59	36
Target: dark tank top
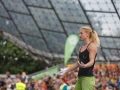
84	57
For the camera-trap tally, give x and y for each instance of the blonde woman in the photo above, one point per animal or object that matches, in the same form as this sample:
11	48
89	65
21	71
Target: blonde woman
24	77
86	59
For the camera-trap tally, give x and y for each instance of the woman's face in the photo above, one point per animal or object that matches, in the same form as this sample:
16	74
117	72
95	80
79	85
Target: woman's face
83	35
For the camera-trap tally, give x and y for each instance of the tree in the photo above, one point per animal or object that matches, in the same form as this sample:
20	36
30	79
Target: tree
15	60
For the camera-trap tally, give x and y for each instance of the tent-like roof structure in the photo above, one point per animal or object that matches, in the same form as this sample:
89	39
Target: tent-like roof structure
41	27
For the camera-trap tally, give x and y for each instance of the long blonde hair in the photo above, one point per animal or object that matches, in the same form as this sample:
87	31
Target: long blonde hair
93	35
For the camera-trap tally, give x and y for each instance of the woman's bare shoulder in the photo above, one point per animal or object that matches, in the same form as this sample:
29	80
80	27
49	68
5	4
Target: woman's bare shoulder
92	46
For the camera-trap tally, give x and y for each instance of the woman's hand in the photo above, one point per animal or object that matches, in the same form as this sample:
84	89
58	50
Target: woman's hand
62	73
82	65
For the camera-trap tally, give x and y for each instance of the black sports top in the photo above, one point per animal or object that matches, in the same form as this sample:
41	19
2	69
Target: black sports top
84	58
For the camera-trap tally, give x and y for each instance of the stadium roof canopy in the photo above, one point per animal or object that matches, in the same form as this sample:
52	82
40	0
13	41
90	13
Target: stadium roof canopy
41	27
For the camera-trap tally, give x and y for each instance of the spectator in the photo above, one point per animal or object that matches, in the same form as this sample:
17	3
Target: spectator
108	81
24	77
20	85
2	83
8	74
63	85
7	79
28	86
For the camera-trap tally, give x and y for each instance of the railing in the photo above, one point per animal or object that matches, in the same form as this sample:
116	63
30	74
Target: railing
46	71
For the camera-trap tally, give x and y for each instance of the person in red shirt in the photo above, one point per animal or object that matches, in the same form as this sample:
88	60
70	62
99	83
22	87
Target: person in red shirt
44	85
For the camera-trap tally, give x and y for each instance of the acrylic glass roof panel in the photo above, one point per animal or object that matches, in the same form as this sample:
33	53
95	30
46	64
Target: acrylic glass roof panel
3	12
115	54
117	5
108	22
110	42
117	42
8	26
103	42
107	53
98	5
16	5
46	19
111	54
38	3
100	55
69	10
35	42
73	28
26	24
55	41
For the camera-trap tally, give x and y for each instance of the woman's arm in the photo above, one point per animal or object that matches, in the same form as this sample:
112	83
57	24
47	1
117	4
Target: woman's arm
73	67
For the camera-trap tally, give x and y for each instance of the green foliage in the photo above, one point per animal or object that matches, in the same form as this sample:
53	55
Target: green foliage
15	60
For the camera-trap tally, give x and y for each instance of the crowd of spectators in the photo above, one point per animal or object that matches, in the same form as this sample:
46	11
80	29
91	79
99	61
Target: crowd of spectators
105	79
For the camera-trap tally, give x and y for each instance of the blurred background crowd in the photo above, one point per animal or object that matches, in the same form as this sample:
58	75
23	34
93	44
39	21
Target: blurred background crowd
105	79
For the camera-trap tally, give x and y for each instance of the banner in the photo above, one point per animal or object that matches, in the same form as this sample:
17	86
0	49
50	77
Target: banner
70	45
50	71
